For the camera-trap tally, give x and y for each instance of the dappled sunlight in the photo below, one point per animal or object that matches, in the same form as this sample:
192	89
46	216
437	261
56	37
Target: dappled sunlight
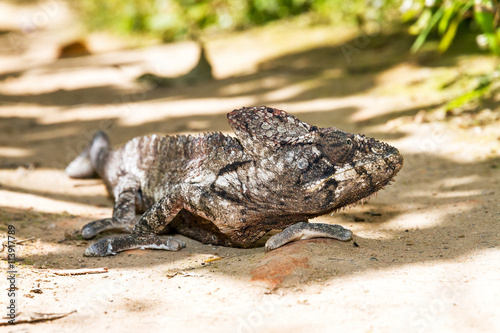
42	81
46	205
48	134
52	189
84	112
454	182
24	112
290	91
14	152
148	111
241	53
448	195
249	86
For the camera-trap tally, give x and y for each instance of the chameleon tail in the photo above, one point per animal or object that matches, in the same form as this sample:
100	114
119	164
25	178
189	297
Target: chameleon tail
91	159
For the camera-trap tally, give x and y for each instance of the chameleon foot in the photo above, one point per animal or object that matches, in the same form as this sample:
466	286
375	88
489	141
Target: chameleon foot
93	228
304	230
111	246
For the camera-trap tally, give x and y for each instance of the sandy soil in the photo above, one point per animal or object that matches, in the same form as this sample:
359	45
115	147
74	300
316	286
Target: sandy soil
428	258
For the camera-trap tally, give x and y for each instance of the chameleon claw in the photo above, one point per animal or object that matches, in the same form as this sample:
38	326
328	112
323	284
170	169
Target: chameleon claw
111	246
90	230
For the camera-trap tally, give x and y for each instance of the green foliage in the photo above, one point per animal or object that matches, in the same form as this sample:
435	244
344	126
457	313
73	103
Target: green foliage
263	11
445	17
167	19
181	19
482	89
486	15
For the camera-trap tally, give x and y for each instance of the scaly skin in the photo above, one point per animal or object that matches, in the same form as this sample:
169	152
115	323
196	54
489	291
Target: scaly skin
277	173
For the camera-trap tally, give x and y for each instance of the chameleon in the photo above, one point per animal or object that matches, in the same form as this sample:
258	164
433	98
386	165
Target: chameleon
276	173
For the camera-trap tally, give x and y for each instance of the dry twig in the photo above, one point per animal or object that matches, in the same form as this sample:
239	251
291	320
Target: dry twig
82	271
34	317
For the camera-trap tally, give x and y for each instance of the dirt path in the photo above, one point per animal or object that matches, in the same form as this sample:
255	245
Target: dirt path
428	258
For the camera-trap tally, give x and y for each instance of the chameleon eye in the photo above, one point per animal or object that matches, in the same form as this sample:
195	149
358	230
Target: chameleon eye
336	146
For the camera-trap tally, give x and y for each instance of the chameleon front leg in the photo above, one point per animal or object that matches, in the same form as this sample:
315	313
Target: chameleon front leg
304	230
123	218
145	232
111	246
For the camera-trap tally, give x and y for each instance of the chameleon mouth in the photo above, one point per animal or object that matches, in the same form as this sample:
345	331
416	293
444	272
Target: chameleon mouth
362	201
393	163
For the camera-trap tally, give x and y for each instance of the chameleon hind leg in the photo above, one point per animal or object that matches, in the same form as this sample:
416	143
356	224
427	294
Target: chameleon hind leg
145	233
304	230
90	230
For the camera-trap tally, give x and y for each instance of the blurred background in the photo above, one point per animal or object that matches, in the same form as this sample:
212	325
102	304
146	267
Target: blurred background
70	68
420	75
122	64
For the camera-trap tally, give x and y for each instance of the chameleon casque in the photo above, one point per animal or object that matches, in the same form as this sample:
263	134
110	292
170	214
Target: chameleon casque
277	173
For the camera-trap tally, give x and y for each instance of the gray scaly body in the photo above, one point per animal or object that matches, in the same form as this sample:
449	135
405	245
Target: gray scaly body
277	173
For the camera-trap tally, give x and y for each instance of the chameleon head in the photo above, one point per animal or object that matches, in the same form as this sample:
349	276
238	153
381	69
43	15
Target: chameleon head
361	165
315	170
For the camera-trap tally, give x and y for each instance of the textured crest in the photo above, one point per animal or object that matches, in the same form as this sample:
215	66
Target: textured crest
262	129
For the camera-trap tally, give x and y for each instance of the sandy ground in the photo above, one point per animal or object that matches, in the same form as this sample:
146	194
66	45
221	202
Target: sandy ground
428	258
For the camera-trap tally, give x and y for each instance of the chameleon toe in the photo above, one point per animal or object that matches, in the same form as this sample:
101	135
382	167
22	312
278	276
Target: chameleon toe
101	248
88	231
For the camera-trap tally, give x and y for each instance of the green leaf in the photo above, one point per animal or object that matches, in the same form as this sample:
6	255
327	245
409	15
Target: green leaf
481	89
449	11
486	21
493	42
448	37
423	35
422	22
